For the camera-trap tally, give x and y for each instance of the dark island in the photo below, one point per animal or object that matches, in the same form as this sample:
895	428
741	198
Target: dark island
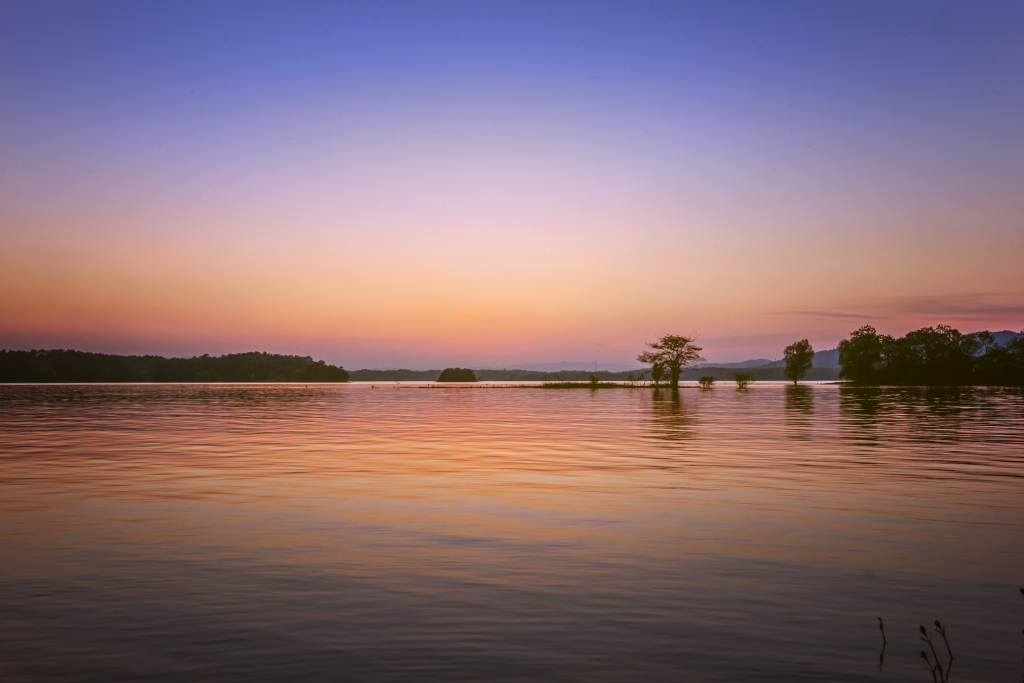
457	375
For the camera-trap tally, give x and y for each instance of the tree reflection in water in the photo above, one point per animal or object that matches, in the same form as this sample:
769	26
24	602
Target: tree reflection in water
859	410
922	414
673	418
799	411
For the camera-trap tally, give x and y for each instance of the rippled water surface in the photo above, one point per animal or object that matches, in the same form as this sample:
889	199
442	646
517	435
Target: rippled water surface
286	532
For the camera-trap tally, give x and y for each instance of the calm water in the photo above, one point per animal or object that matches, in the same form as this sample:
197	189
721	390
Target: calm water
283	532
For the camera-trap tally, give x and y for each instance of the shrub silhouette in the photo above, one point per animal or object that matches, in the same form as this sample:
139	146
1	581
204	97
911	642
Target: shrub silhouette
457	375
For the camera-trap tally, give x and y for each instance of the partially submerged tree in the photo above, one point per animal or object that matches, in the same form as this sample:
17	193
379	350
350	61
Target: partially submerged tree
706	382
799	359
674	353
743	380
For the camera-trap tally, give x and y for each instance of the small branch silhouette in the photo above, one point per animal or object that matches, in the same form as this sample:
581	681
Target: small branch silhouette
881	655
941	630
939	675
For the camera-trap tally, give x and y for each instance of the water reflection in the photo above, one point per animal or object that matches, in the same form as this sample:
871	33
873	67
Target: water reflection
924	414
860	408
799	411
673	418
146	396
293	533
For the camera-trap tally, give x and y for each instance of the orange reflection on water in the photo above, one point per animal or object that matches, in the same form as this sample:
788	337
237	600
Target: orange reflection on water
561	524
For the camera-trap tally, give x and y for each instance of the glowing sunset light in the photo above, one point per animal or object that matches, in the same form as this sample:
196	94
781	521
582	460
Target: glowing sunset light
410	185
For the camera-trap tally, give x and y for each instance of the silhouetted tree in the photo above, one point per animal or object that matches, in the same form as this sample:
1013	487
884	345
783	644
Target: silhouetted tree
706	382
860	356
799	359
673	353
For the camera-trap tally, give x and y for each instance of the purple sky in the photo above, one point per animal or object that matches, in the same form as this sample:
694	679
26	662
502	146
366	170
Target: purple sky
422	184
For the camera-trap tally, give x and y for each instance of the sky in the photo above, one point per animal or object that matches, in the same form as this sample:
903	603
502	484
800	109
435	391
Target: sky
423	184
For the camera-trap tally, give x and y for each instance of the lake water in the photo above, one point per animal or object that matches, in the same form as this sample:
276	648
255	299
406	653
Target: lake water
350	532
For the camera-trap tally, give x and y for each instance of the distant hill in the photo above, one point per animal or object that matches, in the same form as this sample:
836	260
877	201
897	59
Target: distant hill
490	375
395	375
822	359
755	363
1005	336
526	375
585	366
826	359
825	369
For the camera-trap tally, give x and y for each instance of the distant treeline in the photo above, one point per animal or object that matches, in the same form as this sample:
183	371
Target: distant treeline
561	375
59	365
930	356
936	356
692	374
486	375
395	375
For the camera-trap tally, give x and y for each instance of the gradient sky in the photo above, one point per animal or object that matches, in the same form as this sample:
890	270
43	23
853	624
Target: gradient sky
424	184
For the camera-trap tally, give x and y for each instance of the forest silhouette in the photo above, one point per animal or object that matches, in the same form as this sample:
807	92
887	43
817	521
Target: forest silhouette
60	365
931	356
